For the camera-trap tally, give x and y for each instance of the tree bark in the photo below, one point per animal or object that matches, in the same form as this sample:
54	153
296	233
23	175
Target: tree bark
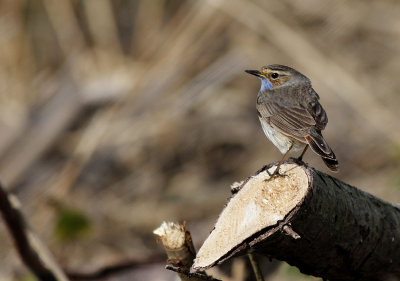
311	220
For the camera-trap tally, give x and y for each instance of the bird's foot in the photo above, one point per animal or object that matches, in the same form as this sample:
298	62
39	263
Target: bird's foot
275	174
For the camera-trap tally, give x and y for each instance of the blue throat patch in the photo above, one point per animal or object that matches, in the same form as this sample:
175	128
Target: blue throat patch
265	84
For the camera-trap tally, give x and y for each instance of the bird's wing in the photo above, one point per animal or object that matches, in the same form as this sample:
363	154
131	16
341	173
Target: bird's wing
293	121
319	115
296	119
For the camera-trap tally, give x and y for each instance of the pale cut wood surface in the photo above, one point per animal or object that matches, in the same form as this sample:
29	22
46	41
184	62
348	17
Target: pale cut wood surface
258	205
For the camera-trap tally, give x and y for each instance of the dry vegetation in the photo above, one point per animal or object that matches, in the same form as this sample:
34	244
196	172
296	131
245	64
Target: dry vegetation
118	114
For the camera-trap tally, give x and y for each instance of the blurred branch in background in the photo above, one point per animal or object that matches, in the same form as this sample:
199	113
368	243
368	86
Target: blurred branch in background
118	269
118	107
32	251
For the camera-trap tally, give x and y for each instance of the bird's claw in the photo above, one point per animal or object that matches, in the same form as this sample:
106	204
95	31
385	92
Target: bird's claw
274	175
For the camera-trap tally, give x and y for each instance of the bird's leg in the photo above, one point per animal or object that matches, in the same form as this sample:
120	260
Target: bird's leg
299	160
276	172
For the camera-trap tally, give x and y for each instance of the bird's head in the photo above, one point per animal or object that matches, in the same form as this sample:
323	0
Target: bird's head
275	75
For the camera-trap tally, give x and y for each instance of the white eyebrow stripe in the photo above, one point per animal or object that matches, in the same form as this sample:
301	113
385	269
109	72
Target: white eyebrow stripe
281	72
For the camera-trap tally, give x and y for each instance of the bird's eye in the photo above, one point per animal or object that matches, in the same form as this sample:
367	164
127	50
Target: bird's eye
274	75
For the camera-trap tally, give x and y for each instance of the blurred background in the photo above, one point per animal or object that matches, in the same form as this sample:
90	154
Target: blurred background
118	114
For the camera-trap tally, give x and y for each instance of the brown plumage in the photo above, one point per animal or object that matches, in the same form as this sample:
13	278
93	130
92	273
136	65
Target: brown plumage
290	112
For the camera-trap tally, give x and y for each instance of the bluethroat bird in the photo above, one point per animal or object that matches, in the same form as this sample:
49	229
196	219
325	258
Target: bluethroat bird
290	113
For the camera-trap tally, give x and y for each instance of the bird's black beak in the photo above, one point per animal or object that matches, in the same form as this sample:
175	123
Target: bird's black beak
253	72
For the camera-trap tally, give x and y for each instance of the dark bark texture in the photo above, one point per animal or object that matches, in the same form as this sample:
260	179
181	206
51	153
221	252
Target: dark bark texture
346	233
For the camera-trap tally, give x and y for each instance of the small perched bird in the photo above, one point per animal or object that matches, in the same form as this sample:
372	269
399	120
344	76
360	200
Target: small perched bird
290	113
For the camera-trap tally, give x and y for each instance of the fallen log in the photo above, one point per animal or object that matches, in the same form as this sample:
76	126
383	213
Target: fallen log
311	220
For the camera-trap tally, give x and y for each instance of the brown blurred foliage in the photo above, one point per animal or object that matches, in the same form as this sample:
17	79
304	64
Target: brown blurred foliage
132	112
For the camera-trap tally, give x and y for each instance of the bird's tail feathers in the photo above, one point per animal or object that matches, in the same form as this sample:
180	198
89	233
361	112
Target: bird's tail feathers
332	164
320	146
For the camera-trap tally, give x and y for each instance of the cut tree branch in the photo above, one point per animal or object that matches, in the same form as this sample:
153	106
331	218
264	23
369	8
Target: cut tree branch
311	220
178	245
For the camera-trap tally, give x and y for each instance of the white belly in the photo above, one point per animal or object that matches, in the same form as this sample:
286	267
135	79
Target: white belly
281	141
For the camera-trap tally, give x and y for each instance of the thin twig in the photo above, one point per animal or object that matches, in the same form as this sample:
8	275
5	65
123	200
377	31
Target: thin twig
114	269
256	267
190	275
